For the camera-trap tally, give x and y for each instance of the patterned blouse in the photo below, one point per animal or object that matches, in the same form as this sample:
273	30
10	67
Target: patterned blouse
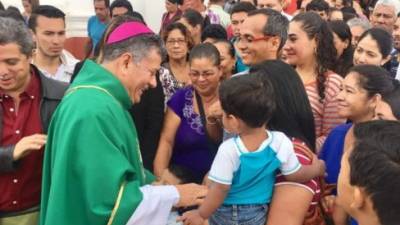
169	83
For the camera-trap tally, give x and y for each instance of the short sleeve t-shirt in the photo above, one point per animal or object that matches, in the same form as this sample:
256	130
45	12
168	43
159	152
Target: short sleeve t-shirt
95	30
251	175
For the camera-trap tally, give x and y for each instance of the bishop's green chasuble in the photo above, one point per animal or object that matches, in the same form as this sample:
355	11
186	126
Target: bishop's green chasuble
92	166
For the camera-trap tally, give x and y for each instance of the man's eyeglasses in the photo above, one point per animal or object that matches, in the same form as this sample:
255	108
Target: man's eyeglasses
248	39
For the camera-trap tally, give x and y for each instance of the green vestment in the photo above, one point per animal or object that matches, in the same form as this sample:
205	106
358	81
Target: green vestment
92	154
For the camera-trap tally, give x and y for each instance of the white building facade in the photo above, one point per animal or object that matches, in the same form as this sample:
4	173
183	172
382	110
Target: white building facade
78	11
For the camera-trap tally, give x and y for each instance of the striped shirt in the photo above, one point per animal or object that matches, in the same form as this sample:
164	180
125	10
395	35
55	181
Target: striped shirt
325	113
304	154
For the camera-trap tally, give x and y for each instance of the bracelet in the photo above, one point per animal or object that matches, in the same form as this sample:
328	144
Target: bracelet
213	120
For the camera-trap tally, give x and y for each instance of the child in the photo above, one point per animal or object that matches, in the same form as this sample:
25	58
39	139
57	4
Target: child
244	169
368	184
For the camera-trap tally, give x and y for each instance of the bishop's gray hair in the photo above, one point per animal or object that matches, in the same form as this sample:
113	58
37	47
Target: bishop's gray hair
138	46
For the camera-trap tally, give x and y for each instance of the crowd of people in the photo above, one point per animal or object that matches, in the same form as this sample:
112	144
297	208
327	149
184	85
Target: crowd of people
259	112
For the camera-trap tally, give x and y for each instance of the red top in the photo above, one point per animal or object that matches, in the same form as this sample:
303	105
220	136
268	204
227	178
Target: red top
291	7
20	189
304	155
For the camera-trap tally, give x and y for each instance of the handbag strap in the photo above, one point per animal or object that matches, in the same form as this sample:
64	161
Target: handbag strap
211	144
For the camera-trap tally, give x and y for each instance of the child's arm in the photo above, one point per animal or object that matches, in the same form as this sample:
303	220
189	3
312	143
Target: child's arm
308	172
215	197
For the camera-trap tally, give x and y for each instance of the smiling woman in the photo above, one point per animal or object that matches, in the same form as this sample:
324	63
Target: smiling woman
187	138
315	65
360	92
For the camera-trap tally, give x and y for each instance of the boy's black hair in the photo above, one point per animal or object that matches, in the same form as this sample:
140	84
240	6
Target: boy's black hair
47	11
249	98
184	174
375	166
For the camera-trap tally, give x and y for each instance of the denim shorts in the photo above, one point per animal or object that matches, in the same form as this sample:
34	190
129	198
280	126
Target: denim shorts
240	215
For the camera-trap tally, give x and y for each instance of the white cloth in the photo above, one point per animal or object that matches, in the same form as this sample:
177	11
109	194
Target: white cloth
398	73
172	218
156	205
66	68
227	160
225	18
289	17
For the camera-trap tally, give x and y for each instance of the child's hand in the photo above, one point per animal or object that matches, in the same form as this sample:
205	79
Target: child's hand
319	164
191	218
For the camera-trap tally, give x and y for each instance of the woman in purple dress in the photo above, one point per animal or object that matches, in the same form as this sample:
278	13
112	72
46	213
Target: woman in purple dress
188	139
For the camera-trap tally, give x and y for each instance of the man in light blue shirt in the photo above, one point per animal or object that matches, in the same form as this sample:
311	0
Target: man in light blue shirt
98	23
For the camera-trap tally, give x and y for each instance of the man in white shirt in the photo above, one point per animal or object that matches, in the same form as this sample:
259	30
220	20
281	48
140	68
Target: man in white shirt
216	6
48	27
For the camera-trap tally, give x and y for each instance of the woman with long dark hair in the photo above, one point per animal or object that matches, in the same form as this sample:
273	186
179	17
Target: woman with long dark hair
310	48
292	203
342	40
195	23
374	48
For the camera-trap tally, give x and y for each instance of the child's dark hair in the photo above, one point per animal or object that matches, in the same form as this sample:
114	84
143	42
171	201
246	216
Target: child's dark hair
184	174
375	166
249	98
